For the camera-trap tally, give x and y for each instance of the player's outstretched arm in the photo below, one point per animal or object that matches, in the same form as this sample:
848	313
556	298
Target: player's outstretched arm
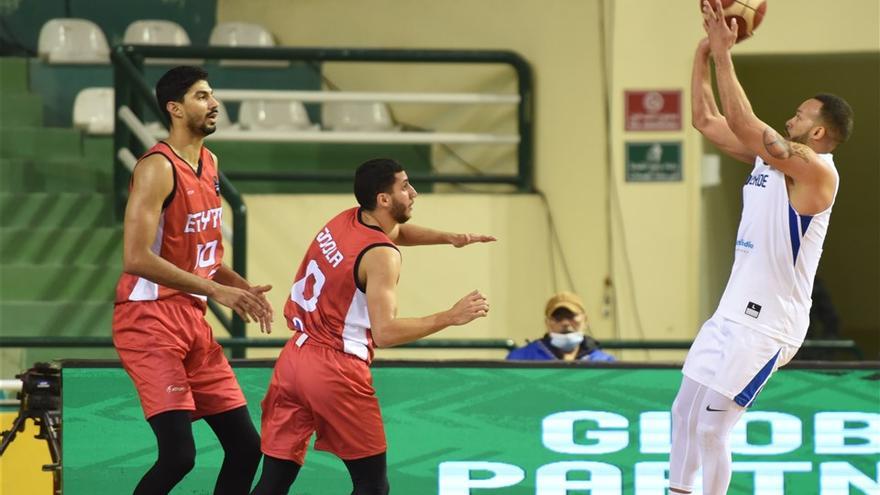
797	161
380	269
415	235
152	182
705	116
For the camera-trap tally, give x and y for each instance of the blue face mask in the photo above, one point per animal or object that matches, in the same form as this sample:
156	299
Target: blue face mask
566	342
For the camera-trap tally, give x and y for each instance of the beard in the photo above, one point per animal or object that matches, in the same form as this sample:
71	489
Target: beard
202	128
398	212
802	138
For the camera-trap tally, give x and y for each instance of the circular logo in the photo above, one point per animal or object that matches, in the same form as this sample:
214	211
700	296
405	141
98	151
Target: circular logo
653	102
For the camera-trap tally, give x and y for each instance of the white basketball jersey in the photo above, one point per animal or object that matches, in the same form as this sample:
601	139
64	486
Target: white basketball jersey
777	253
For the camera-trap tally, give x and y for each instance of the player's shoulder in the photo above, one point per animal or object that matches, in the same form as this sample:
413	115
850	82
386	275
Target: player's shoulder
153	163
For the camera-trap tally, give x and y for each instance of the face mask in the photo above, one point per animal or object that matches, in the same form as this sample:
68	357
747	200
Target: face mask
566	342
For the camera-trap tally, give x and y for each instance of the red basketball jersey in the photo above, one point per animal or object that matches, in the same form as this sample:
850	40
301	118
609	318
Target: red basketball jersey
189	231
326	302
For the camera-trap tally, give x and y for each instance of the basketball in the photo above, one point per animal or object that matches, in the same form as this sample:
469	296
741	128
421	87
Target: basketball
748	15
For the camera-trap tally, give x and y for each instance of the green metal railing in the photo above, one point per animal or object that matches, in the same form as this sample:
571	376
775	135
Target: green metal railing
842	345
129	59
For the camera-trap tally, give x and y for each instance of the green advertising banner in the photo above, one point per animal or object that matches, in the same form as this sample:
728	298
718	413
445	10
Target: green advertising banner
456	429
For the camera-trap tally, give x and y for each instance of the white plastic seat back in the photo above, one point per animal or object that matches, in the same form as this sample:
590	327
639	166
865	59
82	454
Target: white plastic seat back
240	34
156	32
93	111
274	115
73	41
357	116
159	32
244	34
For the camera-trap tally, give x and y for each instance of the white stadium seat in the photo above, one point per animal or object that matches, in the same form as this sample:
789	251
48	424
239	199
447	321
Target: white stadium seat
241	34
274	115
357	116
93	111
244	34
73	41
156	32
159	32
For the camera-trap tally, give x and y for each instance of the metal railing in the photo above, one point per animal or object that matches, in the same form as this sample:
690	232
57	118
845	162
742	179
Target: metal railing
129	60
842	345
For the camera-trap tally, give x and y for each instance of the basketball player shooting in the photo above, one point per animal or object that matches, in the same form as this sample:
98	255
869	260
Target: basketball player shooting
763	315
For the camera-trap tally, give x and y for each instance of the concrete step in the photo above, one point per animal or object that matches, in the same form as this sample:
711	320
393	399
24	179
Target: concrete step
13	75
55	318
100	245
34	175
67	210
19	108
53	282
39	142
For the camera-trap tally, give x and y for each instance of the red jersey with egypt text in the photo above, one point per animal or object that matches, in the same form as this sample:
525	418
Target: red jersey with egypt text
326	300
189	231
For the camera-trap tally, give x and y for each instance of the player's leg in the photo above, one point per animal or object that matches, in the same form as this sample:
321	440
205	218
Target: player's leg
219	400
369	476
286	426
717	417
684	458
241	449
177	453
145	335
277	477
348	421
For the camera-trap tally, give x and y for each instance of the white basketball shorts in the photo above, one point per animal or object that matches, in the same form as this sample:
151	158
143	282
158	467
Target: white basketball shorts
734	360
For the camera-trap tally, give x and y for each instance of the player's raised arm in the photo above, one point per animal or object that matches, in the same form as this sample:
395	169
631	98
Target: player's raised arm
705	116
415	235
795	160
379	269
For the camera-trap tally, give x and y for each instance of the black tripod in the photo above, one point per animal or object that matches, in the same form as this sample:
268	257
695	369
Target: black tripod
49	423
40	401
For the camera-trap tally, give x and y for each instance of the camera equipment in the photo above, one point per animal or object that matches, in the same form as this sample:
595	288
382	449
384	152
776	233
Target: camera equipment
40	399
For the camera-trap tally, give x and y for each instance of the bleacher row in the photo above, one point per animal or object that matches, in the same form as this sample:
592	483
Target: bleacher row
93	112
81	41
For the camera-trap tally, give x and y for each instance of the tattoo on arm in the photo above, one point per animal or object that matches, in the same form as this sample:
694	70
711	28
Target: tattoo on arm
800	151
775	145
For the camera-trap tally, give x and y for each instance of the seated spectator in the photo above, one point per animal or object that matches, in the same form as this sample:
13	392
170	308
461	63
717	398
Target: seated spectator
565	339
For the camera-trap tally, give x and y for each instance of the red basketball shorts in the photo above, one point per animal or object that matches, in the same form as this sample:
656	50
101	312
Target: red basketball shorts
318	389
169	352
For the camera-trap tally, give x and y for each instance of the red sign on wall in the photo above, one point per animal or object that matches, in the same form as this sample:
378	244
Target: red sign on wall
653	110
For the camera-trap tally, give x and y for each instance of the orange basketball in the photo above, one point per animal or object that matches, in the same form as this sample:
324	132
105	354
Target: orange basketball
748	15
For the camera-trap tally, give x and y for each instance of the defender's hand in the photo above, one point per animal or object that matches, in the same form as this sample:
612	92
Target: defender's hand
462	240
248	306
267	319
469	308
